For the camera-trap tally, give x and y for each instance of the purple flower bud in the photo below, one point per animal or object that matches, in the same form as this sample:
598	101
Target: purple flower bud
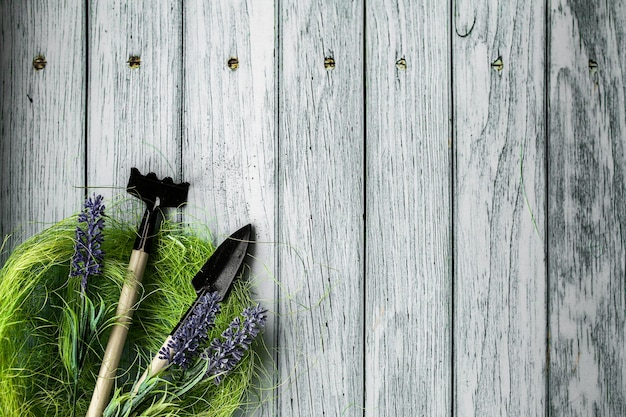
224	354
191	334
87	259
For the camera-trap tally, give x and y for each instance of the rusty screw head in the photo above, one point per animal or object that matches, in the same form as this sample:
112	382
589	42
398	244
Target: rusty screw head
39	62
134	61
233	63
497	65
329	63
593	67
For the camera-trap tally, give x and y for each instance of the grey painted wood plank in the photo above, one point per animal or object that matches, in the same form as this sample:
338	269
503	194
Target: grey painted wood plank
229	140
408	260
41	116
587	196
320	212
134	109
499	209
229	114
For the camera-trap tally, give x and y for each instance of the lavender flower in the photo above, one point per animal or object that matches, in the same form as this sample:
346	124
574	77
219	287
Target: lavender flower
193	331
87	259
224	354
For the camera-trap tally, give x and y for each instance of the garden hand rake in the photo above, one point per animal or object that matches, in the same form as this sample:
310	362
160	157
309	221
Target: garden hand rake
157	194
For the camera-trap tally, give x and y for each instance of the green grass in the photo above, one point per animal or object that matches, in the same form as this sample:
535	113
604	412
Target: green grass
34	290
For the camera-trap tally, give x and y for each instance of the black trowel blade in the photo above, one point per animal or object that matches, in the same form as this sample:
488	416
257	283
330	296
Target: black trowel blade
222	267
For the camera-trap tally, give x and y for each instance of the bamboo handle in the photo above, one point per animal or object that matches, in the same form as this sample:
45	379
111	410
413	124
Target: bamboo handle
156	365
115	345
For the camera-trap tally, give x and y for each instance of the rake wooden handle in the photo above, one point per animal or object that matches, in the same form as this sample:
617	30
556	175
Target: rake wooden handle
115	345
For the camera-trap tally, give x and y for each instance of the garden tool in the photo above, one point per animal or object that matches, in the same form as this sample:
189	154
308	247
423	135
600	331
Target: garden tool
156	194
217	275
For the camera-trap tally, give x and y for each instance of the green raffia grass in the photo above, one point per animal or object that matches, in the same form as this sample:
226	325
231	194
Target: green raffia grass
33	287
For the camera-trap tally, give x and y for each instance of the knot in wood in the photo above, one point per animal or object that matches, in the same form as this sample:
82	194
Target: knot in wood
39	62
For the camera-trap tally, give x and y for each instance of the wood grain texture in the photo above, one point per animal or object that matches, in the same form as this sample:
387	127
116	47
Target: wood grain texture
400	312
42	116
587	208
229	138
499	209
408	258
134	114
229	115
320	212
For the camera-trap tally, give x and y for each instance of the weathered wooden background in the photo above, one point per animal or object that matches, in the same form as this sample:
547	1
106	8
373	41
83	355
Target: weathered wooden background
438	188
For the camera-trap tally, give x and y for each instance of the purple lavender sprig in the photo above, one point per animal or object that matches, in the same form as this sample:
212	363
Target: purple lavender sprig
214	361
82	320
224	354
192	333
87	259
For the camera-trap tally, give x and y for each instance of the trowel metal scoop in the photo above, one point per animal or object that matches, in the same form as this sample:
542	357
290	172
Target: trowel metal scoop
217	275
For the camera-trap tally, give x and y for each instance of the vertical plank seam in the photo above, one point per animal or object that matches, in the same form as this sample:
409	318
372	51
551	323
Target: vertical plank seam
452	171
86	109
546	104
364	202
181	105
277	199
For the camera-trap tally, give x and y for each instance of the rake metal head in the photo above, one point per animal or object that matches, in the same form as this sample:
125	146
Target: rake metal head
155	192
